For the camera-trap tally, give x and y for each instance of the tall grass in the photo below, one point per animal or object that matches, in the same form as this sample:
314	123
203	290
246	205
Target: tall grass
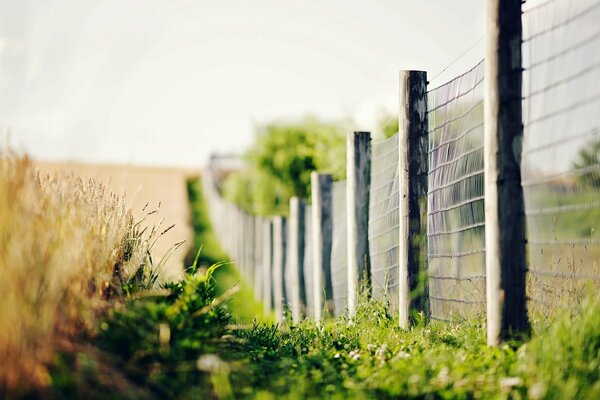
67	245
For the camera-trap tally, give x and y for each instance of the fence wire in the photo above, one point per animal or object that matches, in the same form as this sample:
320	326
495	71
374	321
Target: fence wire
561	149
455	228
384	220
339	252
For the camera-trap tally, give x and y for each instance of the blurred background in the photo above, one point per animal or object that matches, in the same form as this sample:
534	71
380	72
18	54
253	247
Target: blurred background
87	84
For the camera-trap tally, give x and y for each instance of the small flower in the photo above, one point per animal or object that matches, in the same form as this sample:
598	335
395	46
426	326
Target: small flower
354	355
381	352
404	355
211	363
510	381
337	355
444	376
537	391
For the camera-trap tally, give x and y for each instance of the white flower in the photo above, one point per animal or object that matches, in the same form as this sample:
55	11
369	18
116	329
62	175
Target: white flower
211	363
510	381
403	354
537	391
354	355
444	376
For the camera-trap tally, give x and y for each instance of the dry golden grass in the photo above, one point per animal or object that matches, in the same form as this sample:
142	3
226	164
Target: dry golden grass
142	185
62	240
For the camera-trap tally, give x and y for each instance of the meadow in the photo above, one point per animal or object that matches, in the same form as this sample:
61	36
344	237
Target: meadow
83	315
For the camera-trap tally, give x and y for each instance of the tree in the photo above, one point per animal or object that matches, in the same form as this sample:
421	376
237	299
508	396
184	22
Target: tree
281	160
588	158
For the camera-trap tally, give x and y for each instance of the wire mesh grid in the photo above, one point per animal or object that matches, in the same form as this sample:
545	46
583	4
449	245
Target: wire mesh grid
384	219
339	253
561	149
456	221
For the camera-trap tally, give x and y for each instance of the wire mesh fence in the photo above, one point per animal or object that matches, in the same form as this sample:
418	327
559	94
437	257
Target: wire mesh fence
561	149
456	220
560	170
384	219
339	252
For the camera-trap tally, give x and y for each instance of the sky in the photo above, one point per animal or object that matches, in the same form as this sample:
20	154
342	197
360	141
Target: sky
168	82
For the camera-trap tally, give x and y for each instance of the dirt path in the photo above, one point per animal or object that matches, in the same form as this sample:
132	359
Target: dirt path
146	185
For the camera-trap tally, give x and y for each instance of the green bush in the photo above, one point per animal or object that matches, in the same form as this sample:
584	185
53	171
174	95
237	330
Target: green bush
280	163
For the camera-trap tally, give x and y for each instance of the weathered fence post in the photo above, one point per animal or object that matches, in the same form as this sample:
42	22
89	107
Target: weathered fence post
279	239
267	262
504	205
321	234
258	255
412	171
242	262
250	219
296	258
358	175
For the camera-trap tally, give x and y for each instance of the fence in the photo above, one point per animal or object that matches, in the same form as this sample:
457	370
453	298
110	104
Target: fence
498	163
456	220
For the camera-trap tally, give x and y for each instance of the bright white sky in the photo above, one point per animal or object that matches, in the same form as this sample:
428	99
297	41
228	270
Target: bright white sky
169	81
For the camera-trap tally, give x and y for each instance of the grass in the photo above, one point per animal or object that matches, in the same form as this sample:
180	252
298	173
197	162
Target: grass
244	307
373	358
69	251
61	241
107	329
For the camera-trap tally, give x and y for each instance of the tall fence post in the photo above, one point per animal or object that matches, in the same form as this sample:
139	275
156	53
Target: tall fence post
412	172
358	174
279	239
504	205
296	258
258	257
322	228
250	238
267	262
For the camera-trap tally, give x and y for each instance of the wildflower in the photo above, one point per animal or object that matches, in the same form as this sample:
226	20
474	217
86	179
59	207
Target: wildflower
537	391
403	355
509	382
354	355
444	376
381	352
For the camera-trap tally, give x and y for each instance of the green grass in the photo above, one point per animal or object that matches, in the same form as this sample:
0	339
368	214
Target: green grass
244	307
375	359
179	342
151	346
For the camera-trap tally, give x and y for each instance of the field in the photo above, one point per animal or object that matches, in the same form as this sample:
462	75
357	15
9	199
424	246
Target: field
82	316
141	186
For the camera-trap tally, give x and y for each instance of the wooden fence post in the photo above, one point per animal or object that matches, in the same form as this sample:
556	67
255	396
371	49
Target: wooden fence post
322	228
358	174
250	220
295	265
279	247
505	260
258	255
413	176
267	262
